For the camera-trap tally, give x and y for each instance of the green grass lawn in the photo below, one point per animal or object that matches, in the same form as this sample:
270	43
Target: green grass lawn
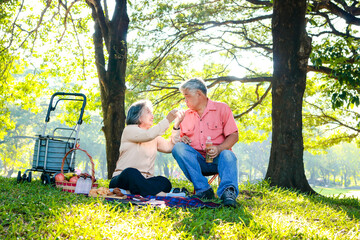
332	191
34	211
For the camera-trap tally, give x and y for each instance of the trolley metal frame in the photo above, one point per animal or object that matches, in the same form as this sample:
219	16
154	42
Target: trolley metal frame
49	150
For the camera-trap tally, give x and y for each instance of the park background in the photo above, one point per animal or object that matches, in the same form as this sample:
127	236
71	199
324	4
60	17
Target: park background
59	57
288	69
334	171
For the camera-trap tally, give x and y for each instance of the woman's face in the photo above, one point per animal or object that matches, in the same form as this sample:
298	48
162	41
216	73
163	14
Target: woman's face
146	118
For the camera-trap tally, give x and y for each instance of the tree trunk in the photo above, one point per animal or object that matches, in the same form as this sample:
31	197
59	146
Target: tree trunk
355	180
111	34
292	48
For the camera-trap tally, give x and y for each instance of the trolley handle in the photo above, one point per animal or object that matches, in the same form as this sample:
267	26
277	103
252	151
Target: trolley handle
52	108
60	128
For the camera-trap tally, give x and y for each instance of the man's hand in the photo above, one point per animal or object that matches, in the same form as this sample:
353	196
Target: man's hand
230	140
213	151
186	140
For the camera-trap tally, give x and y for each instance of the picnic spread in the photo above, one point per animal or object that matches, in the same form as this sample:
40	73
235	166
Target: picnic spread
117	195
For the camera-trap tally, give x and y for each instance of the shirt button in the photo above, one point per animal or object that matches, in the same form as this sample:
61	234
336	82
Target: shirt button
201	131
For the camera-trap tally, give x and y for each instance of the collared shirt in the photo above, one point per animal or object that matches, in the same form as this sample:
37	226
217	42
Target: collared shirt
217	121
139	147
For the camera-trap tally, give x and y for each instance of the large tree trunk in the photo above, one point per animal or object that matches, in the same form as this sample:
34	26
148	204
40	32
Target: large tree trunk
291	47
111	34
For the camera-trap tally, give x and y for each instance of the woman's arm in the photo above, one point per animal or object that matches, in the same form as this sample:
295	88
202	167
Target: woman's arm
166	145
133	133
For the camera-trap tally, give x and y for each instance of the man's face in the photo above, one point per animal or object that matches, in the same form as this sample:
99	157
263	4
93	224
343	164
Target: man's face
192	98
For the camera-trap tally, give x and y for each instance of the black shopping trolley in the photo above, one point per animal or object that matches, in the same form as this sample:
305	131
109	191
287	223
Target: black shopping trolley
50	150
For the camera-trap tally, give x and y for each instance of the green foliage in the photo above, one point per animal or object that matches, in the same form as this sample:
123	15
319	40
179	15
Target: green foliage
323	125
14	150
34	211
339	56
50	56
179	47
169	42
176	41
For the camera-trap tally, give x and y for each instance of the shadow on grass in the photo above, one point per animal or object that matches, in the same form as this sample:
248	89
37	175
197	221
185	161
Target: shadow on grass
350	205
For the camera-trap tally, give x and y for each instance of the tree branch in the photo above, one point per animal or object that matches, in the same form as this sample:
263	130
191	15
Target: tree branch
326	116
332	27
100	18
66	16
237	22
259	2
321	69
33	31
255	104
334	9
229	79
13	28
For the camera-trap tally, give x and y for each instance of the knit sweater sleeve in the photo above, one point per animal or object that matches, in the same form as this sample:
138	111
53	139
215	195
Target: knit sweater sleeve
135	134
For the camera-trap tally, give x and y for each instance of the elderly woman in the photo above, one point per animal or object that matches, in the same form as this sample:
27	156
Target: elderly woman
139	145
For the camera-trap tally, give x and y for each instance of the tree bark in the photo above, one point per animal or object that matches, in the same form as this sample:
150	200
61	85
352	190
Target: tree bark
112	35
292	48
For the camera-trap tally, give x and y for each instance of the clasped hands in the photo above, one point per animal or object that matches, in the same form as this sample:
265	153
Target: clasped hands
177	115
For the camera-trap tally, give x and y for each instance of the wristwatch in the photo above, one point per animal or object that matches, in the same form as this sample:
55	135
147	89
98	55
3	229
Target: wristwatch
176	128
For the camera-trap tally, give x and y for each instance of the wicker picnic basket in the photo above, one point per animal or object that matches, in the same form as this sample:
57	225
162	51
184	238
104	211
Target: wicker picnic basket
68	186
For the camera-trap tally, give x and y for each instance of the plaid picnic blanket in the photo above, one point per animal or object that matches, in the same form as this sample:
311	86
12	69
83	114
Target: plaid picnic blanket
184	202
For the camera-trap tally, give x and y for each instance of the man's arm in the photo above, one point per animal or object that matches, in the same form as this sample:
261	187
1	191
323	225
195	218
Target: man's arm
229	141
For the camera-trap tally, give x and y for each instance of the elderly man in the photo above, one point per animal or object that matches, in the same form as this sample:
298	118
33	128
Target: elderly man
206	118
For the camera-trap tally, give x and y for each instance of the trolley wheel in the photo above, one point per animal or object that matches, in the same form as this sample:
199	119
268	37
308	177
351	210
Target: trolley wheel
24	177
29	177
45	178
18	179
52	180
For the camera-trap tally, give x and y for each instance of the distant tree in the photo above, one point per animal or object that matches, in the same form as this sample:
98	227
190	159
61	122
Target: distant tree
16	85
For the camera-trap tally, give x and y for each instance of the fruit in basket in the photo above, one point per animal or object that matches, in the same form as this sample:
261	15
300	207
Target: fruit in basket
69	175
73	179
59	177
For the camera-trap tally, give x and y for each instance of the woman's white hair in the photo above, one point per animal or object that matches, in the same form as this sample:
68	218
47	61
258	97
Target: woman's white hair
136	110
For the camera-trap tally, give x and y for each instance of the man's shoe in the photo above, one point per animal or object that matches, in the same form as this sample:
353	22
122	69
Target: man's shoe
228	197
208	194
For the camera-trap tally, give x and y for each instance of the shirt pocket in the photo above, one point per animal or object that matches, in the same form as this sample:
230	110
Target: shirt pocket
188	130
215	129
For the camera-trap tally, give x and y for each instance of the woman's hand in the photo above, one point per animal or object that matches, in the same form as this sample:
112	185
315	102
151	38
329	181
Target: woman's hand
171	115
179	117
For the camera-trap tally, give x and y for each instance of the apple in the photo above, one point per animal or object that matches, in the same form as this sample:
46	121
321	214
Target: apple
59	177
73	179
